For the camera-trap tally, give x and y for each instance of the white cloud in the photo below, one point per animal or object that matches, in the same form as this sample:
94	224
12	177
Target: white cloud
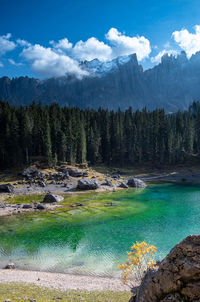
23	43
157	58
1	64
62	44
92	49
125	45
47	62
12	62
118	45
6	44
62	58
189	42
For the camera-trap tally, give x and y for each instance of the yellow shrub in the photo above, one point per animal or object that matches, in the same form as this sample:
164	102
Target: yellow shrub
140	259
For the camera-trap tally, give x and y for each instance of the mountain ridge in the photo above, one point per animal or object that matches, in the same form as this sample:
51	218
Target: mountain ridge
172	84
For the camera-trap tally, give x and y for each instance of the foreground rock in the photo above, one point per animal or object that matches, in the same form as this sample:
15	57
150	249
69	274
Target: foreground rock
178	275
10	266
87	184
136	183
51	198
7	188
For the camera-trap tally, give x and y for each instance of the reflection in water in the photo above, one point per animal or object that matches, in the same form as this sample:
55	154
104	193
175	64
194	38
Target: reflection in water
94	240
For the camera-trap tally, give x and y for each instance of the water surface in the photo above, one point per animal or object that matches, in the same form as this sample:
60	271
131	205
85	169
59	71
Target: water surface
94	239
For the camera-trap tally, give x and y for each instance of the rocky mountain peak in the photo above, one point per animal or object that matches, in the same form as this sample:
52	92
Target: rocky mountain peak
173	84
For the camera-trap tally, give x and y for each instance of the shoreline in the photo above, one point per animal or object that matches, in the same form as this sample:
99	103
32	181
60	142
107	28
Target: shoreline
10	209
62	281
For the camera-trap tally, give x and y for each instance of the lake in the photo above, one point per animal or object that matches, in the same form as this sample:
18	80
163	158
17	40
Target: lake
93	239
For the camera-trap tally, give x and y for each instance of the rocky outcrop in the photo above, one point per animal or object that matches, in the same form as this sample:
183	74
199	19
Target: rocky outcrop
178	276
136	183
87	184
51	198
7	188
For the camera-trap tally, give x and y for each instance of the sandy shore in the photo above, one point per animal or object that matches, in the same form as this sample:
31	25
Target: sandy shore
62	281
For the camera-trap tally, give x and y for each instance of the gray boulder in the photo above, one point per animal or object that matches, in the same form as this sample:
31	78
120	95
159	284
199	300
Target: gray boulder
7	188
65	173
75	173
77	204
40	206
87	184
107	182
42	184
115	176
27	172
178	276
27	206
136	183
51	198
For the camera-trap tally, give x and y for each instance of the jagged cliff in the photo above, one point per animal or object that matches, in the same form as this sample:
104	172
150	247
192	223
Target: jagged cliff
173	84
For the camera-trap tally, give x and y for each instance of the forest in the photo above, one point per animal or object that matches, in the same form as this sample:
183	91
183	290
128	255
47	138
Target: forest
61	134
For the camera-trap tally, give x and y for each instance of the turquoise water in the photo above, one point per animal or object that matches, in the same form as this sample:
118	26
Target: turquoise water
95	240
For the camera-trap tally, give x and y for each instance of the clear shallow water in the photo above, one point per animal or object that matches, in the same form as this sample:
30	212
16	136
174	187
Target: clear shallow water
95	238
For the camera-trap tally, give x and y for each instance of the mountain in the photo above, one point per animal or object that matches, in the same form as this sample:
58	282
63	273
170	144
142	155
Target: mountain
173	84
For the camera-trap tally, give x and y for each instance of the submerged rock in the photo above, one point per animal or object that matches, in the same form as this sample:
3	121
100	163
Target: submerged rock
87	184
115	176
77	204
50	198
7	188
136	183
178	276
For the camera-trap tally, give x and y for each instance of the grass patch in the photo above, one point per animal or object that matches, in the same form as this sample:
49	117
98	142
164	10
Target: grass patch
21	292
26	198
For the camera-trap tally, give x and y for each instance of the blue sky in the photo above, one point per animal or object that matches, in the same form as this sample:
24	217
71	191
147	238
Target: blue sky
116	28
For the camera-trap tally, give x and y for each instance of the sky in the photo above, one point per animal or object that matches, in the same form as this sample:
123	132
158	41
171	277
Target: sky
44	38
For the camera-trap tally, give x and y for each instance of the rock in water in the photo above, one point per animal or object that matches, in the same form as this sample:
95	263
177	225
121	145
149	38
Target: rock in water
178	276
87	184
7	188
136	183
50	198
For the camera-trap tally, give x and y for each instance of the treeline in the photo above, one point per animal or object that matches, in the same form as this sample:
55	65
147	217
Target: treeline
73	135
